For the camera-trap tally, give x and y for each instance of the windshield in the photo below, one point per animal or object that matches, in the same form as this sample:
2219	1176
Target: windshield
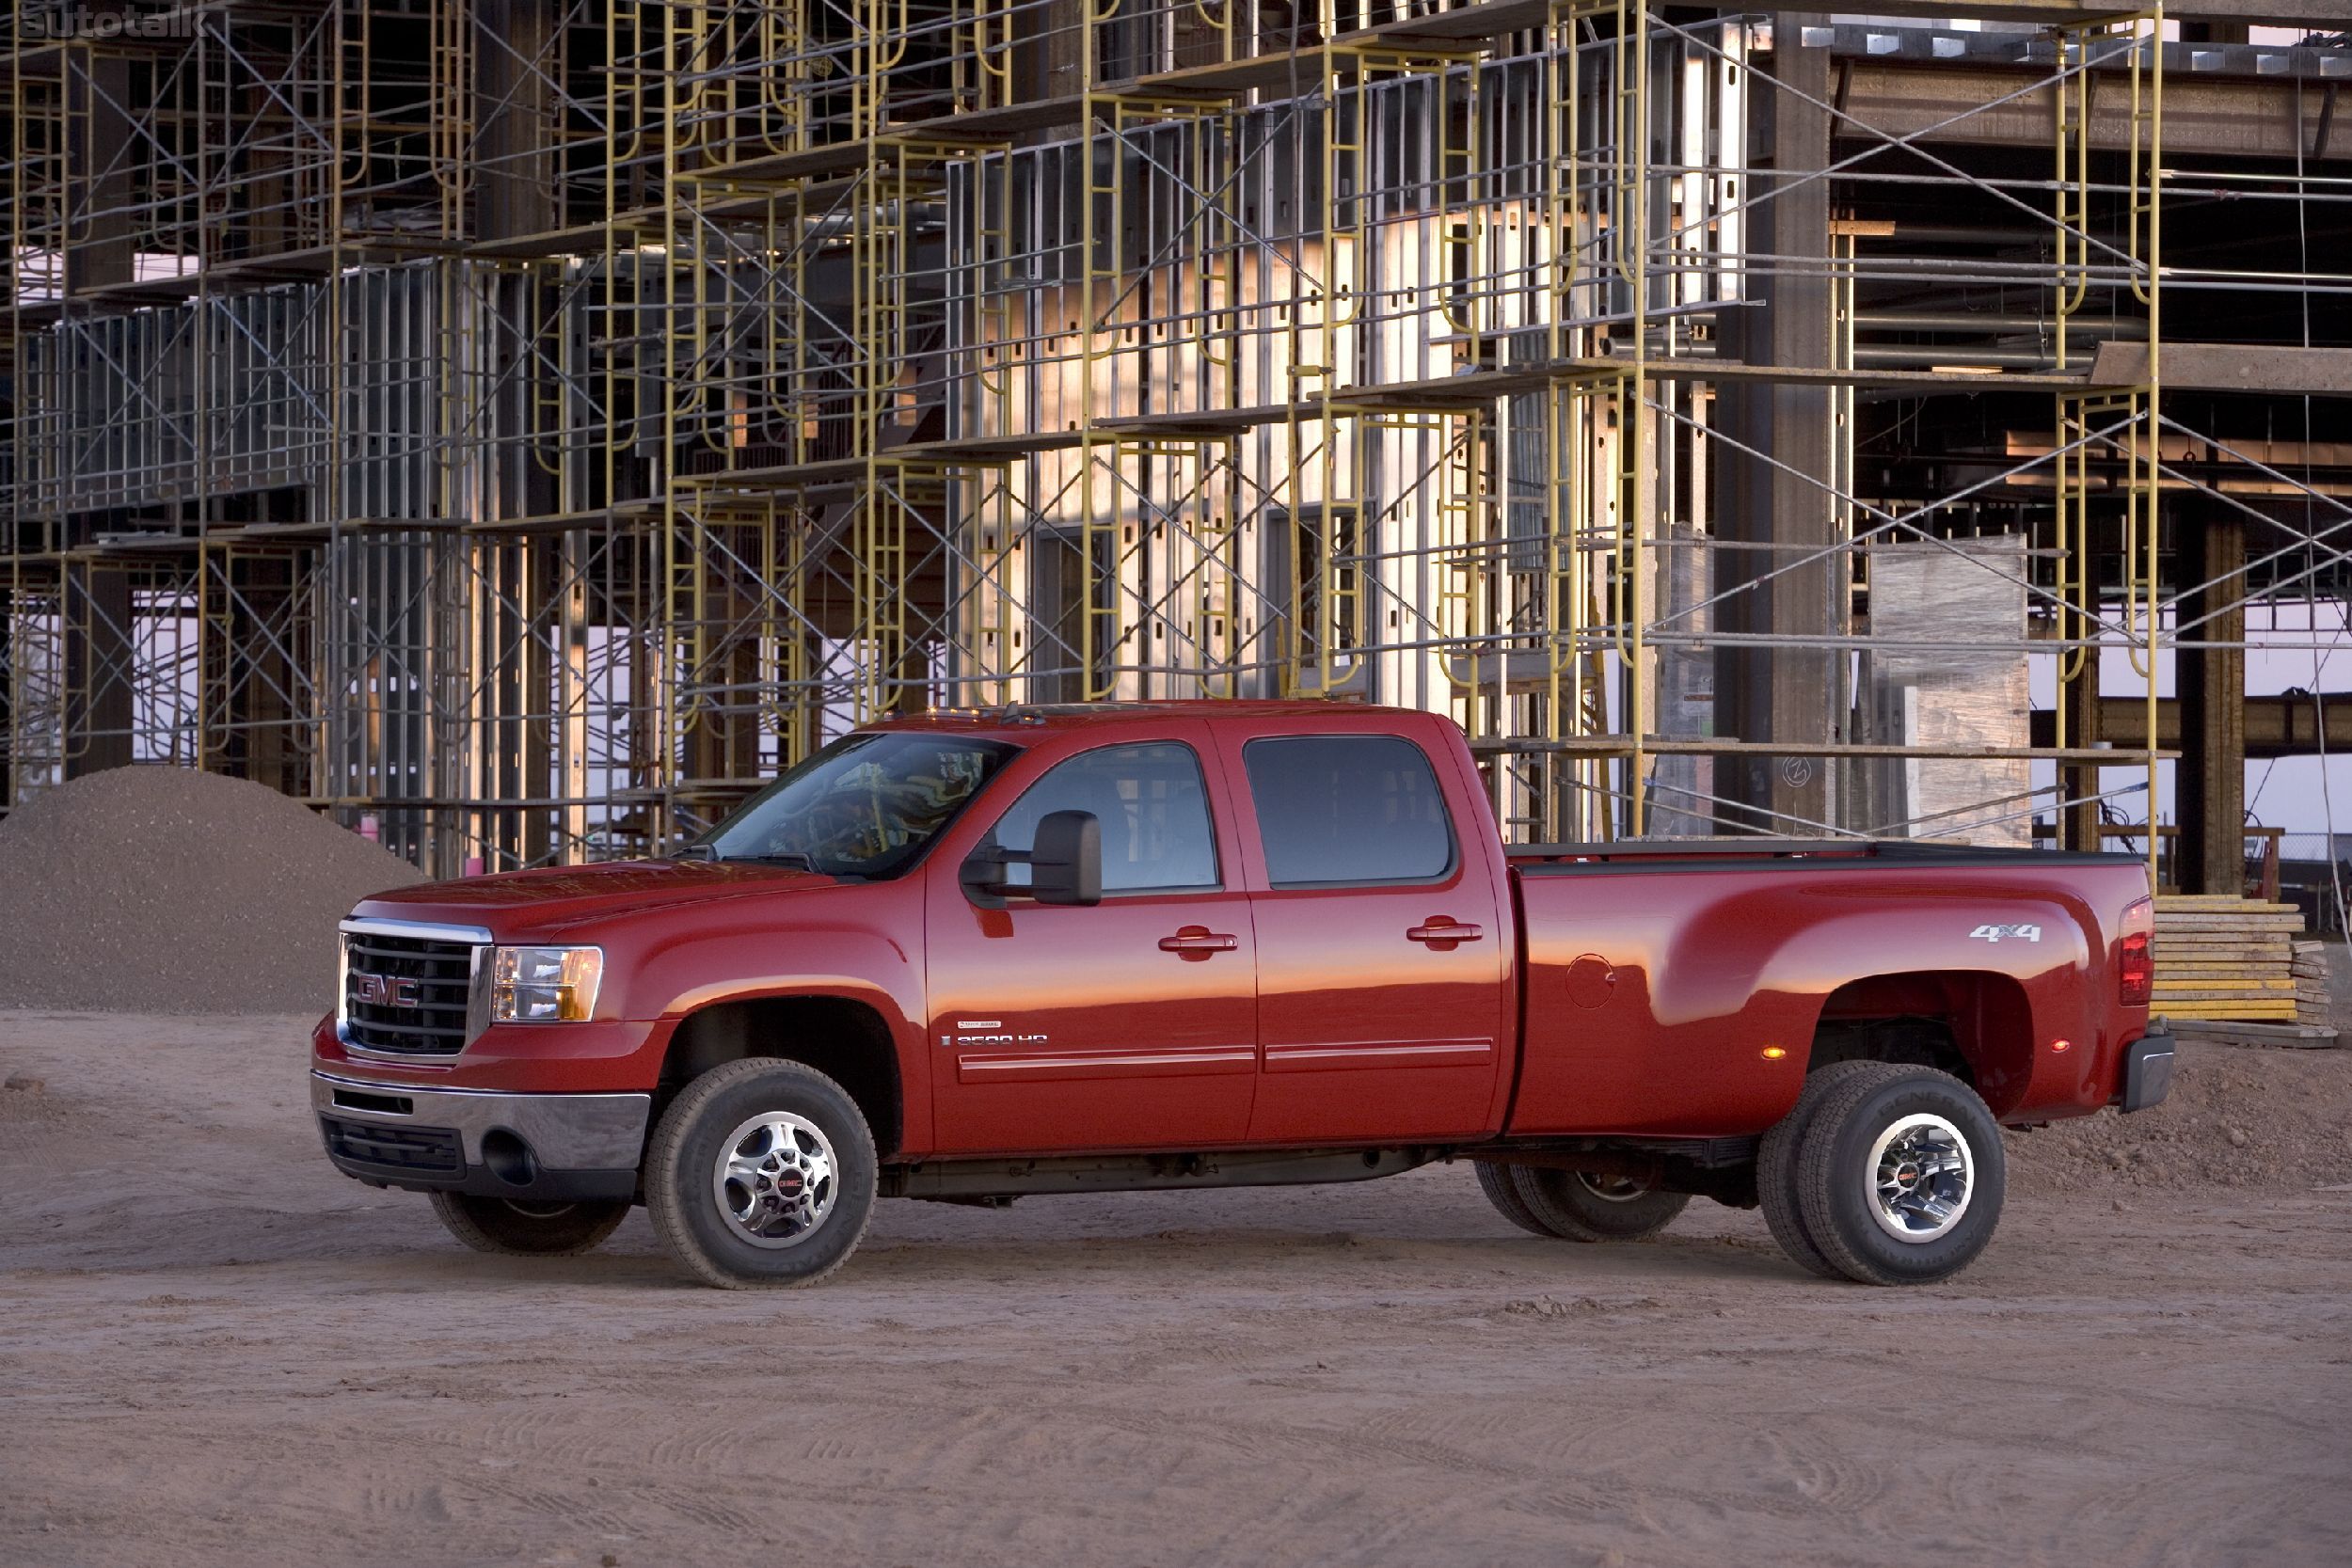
868	805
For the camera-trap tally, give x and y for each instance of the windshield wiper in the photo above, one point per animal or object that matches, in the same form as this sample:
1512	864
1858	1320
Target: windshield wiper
782	857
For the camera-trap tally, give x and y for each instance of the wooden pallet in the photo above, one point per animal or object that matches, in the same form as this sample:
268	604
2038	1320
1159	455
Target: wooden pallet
2313	1003
2222	959
2293	1037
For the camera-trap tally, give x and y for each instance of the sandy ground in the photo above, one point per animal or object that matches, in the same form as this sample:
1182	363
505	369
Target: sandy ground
215	1349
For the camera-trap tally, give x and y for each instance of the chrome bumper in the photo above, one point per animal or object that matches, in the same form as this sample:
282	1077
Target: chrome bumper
567	1132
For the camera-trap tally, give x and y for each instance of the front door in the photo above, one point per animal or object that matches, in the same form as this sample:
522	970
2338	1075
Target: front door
1128	1025
1383	957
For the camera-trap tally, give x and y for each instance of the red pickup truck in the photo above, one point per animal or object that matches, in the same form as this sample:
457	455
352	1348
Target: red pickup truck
972	956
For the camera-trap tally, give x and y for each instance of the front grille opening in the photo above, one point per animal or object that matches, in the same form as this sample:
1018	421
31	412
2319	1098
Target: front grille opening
407	996
428	1150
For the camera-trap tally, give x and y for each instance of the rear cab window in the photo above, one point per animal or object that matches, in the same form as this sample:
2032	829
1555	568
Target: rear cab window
1348	810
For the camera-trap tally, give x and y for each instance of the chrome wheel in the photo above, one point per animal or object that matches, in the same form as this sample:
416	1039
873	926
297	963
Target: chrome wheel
1919	1177
775	1180
1613	1188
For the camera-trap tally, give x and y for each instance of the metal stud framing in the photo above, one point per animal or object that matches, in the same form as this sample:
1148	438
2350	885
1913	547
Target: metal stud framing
528	422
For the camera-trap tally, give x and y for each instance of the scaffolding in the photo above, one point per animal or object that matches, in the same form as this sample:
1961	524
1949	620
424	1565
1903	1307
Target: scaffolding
528	424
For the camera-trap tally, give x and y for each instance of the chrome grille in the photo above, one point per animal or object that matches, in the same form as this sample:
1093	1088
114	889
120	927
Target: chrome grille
405	995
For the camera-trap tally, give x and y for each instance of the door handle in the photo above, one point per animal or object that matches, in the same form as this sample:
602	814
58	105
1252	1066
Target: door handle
1442	933
1194	943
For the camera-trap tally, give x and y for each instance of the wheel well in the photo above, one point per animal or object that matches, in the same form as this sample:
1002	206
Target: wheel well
1977	1027
845	1040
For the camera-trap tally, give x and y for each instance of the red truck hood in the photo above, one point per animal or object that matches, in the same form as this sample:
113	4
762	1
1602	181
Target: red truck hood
517	902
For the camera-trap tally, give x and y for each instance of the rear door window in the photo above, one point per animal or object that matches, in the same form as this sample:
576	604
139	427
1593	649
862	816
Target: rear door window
1348	810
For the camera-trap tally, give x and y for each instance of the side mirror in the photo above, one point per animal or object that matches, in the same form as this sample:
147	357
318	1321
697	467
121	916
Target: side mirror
1066	863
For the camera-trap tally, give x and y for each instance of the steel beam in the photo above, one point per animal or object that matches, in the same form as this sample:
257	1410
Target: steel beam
2217	117
2288	724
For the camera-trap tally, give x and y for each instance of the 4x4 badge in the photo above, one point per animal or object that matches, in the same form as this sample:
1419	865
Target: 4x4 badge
2020	933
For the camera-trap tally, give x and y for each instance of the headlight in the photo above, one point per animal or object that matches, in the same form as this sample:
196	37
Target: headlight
544	985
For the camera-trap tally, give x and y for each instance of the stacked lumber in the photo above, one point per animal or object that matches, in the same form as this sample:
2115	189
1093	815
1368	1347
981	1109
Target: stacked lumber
2312	1003
2224	958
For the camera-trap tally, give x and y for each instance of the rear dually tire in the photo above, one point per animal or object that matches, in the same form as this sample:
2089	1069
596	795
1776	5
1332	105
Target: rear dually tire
1582	1206
1776	1167
1901	1175
1494	1182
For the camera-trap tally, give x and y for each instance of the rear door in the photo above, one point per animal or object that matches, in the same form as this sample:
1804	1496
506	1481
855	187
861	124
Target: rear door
1384	960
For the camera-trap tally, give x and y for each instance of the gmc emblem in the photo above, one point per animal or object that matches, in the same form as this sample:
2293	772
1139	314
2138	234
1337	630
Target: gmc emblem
382	990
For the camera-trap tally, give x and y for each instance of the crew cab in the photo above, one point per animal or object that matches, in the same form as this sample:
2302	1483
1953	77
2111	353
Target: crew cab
978	956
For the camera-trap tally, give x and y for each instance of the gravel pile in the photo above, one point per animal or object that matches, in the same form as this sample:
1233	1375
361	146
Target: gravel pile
2238	1117
165	890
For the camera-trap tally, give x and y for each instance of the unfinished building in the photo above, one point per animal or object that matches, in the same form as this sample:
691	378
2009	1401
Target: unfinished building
518	426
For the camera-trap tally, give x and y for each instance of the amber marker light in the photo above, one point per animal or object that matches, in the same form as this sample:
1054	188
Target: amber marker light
2060	1048
1775	1053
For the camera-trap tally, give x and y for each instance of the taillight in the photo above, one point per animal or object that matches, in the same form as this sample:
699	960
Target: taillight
2136	963
2136	975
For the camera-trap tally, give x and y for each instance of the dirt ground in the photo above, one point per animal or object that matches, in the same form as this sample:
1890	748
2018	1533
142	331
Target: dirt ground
215	1349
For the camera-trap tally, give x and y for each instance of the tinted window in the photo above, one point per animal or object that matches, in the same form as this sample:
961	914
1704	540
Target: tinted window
1348	809
1152	806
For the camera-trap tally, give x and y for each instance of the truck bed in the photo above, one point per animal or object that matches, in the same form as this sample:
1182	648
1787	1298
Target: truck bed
1653	1007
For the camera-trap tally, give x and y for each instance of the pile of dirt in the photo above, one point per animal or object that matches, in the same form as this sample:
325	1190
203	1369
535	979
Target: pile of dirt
2237	1116
167	890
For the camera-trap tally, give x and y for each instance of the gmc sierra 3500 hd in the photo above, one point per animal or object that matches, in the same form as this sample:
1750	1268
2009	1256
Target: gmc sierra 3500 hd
970	957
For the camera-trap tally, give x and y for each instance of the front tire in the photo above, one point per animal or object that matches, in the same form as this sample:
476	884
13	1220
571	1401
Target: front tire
761	1175
1580	1206
1901	1176
516	1228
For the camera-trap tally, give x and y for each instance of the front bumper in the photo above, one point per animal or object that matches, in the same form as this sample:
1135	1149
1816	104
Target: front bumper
540	1146
2146	1071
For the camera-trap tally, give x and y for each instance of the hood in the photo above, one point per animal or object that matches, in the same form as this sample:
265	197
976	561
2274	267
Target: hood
523	902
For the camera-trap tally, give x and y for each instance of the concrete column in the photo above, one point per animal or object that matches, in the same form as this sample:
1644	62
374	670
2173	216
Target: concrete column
2078	697
100	243
1781	693
252	672
2209	781
515	101
538	738
97	667
1048	60
7	709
